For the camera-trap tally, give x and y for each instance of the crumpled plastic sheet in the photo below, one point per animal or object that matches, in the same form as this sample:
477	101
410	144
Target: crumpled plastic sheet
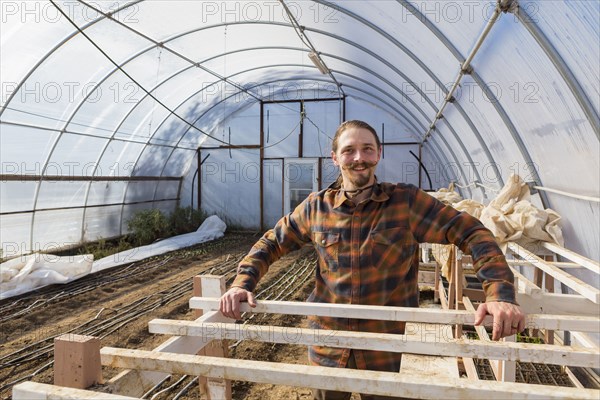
24	274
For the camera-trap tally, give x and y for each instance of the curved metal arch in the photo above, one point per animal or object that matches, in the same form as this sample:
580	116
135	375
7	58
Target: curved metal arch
443	166
460	166
417	60
314	79
218	25
25	78
561	66
56	47
235	94
454	50
270	24
515	135
368	94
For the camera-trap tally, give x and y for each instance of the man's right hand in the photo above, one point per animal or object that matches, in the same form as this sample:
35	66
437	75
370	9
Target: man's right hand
229	304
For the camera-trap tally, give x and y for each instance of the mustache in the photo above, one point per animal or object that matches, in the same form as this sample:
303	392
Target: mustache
363	164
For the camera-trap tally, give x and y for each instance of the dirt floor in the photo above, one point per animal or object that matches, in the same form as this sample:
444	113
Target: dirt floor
117	305
102	300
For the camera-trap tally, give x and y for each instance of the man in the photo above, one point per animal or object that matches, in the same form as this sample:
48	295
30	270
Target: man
366	235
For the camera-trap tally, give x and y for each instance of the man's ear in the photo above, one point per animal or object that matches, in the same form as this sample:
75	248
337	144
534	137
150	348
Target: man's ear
334	158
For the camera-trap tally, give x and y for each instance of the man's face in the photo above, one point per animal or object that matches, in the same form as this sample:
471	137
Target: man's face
357	156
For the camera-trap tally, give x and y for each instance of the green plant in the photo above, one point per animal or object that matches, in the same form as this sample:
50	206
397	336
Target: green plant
146	226
185	219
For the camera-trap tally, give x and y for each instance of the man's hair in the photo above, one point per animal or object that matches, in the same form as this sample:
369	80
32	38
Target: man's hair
353	124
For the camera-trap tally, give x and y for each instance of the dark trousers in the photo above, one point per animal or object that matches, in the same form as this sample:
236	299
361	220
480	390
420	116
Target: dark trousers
322	394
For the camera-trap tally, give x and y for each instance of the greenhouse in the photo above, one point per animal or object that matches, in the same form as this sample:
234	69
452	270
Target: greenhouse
146	144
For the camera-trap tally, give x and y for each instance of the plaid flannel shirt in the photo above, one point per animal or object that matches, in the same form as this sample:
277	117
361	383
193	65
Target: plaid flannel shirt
368	254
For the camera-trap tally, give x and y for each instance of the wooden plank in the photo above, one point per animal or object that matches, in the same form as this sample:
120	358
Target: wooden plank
485	337
590	264
574	283
432	366
458	277
508	369
445	344
389	313
340	379
524	285
42	391
213	388
470	368
560	264
557	303
443	296
573	378
474	294
584	340
136	383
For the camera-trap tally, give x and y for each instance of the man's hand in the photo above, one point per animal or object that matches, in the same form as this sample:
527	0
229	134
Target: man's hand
508	319
229	304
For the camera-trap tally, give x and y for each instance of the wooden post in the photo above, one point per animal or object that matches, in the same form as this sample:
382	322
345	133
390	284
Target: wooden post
458	282
436	291
549	285
508	369
212	286
77	361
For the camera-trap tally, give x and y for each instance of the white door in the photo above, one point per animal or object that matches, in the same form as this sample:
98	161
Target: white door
299	180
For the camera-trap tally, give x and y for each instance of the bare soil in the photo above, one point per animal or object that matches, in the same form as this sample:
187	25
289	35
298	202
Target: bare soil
43	323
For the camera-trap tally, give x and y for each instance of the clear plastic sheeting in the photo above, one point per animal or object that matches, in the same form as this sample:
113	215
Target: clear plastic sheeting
179	75
24	274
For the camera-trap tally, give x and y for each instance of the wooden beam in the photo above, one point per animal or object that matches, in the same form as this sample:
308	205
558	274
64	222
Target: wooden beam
563	265
508	369
443	296
213	389
574	283
524	285
557	303
445	344
485	337
77	361
42	391
340	379
584	340
136	383
592	265
389	313
432	366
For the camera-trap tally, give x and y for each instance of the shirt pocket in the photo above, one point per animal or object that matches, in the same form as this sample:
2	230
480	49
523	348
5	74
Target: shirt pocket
327	245
392	249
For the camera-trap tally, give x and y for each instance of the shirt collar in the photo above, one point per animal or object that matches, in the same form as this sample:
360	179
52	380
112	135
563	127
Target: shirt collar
377	194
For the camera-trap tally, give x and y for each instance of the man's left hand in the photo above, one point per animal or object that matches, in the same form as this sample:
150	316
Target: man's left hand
508	319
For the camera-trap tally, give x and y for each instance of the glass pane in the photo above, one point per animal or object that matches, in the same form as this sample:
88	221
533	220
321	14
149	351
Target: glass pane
300	181
282	128
273	193
321	120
